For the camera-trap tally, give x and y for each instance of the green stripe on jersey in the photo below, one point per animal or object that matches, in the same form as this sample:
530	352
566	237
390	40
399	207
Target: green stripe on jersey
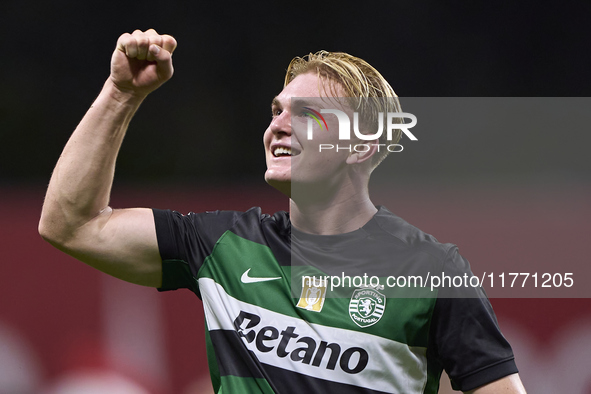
235	384
405	320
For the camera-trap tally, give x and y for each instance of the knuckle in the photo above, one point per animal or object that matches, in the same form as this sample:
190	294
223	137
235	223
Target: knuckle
155	39
169	42
169	38
123	39
142	41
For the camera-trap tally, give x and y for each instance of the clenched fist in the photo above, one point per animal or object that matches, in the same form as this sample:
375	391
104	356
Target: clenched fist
142	61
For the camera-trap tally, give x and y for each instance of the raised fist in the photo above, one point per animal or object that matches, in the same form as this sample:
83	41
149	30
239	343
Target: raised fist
142	61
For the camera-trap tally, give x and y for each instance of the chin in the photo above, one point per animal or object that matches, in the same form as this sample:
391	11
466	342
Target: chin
282	184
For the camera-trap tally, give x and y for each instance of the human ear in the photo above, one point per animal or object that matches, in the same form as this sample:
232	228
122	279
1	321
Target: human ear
362	152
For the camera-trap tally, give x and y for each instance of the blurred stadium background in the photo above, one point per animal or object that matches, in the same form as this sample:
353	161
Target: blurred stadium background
518	200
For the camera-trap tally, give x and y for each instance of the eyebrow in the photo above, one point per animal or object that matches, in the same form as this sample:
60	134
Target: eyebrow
300	102
275	102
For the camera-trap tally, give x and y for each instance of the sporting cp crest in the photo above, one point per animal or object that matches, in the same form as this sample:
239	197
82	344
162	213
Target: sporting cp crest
366	306
312	297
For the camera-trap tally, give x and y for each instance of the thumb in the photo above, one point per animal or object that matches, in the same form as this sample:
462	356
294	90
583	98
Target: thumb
163	58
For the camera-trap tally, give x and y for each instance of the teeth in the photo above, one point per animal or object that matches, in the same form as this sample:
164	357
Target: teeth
281	151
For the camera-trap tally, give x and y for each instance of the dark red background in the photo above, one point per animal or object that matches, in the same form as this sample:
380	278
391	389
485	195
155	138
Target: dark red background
54	302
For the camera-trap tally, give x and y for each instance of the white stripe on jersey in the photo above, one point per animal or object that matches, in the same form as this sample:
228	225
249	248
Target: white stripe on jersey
393	367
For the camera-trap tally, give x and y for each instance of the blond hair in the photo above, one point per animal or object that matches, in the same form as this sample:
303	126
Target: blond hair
367	90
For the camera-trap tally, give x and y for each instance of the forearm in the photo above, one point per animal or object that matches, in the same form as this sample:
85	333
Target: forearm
81	182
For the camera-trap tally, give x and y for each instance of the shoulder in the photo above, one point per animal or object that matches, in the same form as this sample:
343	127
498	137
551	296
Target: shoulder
395	229
209	226
255	218
253	215
197	233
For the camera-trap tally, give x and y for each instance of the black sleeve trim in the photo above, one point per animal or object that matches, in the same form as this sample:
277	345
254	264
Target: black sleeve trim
166	242
175	272
485	375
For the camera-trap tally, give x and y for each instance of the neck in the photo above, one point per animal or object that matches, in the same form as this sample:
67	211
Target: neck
336	213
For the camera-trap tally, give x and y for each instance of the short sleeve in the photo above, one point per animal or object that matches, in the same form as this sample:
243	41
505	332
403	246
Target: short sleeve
465	336
184	241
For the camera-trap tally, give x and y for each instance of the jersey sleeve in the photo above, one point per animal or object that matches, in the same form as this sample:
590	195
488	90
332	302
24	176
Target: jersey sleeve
185	241
465	335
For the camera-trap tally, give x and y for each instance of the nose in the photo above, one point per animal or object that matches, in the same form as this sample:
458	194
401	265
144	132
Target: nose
281	124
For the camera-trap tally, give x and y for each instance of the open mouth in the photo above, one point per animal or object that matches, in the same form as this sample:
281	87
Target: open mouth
282	151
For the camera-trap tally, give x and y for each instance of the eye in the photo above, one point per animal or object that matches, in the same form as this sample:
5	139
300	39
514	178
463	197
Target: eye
275	112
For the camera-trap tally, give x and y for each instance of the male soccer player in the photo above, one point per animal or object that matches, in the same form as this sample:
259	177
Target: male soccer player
260	337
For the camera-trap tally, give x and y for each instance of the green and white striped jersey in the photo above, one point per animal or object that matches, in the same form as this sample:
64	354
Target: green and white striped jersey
269	331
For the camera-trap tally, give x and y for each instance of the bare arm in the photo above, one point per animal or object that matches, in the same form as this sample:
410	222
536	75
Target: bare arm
76	217
508	385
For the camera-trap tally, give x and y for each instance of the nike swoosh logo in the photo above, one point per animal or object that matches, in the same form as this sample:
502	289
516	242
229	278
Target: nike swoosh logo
249	279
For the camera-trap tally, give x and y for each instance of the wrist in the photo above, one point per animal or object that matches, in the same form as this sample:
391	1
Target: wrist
120	103
121	95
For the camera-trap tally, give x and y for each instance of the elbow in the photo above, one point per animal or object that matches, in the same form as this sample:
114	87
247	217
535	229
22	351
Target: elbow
64	229
54	225
46	232
47	224
51	232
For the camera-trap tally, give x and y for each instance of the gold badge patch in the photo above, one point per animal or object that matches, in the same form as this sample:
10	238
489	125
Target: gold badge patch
312	297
